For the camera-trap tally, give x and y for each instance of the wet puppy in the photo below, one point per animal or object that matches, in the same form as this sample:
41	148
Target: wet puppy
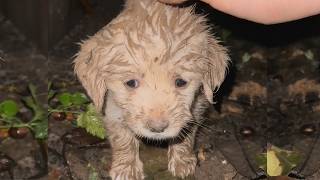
153	69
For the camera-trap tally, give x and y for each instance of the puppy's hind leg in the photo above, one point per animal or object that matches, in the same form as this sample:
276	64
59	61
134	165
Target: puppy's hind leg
126	164
182	160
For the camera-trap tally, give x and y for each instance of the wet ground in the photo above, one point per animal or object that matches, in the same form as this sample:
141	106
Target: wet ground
272	91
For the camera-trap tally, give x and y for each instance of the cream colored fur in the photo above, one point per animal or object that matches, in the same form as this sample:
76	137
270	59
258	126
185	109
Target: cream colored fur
154	44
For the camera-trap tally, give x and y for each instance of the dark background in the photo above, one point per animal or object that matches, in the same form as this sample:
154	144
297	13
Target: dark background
45	22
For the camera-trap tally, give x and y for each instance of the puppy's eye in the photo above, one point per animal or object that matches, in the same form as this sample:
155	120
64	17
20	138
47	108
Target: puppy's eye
180	83
133	83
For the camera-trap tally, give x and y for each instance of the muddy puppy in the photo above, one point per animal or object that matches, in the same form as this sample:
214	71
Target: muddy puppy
152	71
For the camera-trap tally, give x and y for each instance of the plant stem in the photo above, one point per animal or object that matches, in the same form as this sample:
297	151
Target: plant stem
16	126
57	110
5	120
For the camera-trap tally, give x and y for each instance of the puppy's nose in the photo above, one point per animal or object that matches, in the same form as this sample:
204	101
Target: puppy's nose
157	125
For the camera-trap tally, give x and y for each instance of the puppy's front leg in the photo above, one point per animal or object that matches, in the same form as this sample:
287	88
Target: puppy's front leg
126	164
182	160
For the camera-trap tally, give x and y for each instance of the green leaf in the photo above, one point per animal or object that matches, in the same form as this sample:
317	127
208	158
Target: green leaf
294	158
261	160
50	94
92	122
8	108
79	98
281	161
39	122
33	90
49	85
50	91
65	99
40	129
274	166
29	102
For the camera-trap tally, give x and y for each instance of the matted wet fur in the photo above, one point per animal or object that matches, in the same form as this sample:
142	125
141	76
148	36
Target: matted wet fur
134	67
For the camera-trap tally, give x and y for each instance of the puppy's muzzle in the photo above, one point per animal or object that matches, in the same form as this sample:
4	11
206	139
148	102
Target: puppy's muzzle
157	125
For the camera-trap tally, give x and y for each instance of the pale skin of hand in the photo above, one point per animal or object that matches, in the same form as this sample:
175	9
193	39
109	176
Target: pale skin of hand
267	11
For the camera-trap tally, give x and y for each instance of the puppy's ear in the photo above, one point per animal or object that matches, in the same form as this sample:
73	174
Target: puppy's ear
217	65
86	67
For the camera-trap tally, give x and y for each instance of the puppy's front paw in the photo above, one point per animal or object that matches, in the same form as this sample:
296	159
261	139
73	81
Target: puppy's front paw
182	165
127	172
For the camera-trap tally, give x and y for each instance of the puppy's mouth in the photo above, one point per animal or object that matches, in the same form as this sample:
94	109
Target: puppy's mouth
168	133
172	132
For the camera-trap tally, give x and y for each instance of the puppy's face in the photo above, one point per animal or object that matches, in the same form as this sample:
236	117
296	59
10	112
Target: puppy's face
156	98
153	65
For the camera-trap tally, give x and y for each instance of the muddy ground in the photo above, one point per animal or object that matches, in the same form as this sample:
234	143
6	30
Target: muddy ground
272	91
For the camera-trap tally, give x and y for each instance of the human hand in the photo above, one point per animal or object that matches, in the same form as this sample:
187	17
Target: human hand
264	11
